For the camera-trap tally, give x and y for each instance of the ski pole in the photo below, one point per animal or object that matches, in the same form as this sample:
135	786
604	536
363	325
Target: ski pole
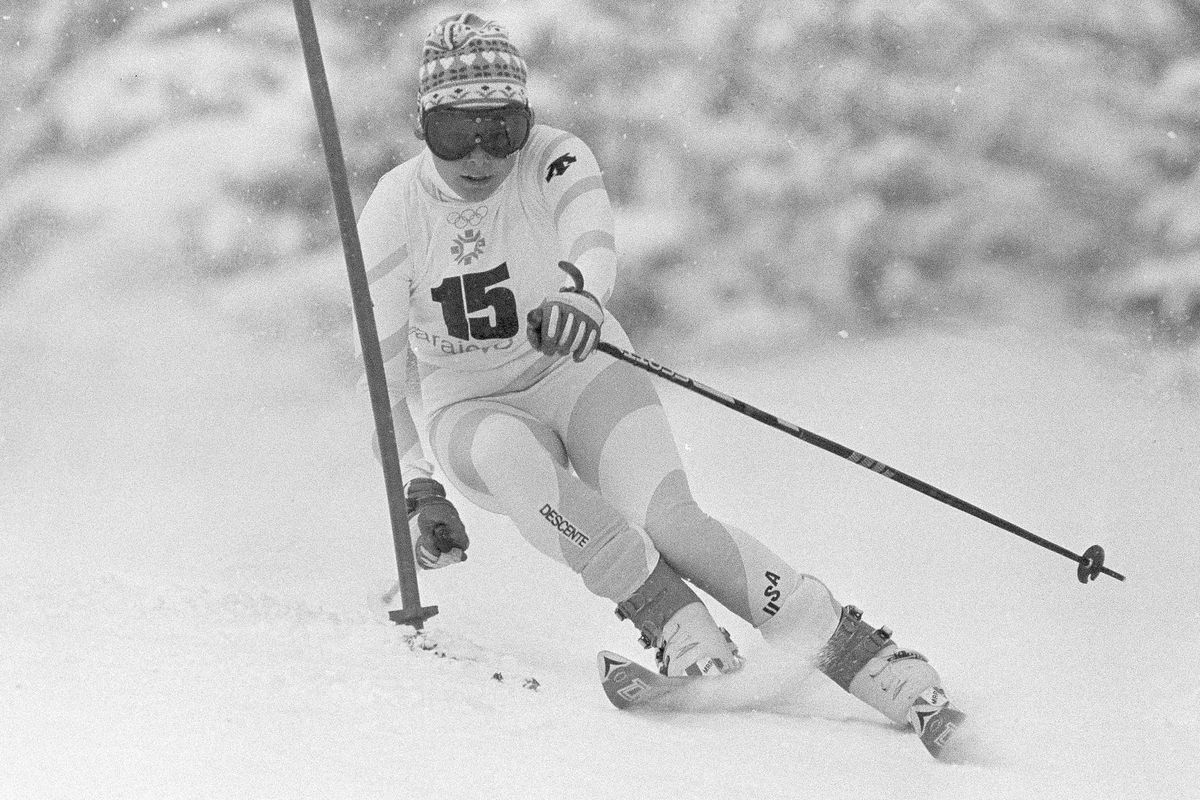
411	611
1091	563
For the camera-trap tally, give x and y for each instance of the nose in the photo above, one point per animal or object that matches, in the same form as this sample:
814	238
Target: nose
477	156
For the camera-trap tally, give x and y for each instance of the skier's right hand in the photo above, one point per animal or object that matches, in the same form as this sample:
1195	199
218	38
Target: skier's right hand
567	322
439	535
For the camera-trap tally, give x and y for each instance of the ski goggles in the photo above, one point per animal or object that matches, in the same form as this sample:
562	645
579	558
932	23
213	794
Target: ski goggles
453	133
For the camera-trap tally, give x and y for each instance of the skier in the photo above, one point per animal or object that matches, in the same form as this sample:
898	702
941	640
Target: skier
463	245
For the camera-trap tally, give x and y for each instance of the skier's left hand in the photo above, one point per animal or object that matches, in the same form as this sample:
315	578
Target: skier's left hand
567	323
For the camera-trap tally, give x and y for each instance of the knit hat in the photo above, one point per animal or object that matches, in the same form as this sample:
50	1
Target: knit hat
469	61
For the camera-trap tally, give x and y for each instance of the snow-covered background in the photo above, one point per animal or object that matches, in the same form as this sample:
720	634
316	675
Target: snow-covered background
193	533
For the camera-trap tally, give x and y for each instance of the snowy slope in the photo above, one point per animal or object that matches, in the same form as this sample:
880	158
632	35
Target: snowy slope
193	542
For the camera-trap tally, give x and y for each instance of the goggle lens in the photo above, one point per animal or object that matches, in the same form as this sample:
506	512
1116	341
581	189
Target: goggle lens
453	133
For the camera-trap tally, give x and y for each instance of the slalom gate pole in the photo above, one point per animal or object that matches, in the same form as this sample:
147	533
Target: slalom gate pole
1091	563
411	611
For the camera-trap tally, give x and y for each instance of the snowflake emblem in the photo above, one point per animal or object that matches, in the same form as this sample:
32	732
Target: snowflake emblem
468	246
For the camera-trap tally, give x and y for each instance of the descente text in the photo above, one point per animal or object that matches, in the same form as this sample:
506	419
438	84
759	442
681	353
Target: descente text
563	526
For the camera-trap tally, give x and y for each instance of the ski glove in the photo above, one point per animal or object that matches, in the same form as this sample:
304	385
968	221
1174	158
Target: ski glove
567	323
434	524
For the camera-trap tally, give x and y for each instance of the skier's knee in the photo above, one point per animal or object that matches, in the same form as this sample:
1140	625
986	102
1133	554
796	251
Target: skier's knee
616	563
807	617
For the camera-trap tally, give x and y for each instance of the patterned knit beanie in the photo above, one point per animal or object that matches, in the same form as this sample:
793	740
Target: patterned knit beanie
469	61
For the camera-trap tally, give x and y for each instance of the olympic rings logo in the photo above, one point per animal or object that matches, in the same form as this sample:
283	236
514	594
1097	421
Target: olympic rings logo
468	218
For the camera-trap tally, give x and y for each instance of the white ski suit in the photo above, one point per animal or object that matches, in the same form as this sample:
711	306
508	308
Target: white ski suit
578	455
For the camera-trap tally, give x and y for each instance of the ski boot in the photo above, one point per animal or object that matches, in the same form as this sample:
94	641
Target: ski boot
673	620
692	644
900	684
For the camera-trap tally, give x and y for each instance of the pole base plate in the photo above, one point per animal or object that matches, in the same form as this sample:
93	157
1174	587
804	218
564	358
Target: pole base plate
1092	563
412	616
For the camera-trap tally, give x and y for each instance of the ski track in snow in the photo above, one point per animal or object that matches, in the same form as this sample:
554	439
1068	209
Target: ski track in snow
194	541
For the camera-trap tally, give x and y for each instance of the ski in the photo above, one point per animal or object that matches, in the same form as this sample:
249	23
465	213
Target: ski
936	722
628	684
941	730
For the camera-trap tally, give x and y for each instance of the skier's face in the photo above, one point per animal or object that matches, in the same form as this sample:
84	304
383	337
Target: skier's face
473	148
477	176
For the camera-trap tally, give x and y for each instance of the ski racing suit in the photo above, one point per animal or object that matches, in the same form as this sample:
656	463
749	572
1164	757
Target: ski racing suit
579	455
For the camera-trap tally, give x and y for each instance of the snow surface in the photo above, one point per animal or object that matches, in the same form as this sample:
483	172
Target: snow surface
194	544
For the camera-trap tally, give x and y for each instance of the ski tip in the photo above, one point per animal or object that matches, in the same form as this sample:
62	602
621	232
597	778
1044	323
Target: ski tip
607	661
618	678
945	735
627	683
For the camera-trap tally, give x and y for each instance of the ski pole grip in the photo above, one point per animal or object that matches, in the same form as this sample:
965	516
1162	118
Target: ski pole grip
573	271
